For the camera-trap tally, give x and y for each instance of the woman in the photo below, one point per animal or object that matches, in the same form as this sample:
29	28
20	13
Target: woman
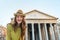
16	30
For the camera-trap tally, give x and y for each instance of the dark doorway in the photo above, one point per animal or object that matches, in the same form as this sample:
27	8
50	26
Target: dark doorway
36	31
48	31
29	31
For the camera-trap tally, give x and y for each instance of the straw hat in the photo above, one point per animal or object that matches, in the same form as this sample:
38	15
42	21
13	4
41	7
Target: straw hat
19	13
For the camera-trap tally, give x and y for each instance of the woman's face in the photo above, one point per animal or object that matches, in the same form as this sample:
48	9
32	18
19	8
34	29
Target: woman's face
19	19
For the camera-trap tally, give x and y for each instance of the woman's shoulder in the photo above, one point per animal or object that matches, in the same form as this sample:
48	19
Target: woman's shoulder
9	25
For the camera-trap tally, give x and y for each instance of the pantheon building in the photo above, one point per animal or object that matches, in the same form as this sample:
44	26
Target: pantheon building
41	26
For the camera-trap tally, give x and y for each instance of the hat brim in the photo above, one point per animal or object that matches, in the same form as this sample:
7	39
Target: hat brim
19	15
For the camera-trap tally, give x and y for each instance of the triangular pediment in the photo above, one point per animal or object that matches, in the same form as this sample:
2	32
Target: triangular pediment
34	14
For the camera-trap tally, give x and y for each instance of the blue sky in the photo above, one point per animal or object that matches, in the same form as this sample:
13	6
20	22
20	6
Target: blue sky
9	7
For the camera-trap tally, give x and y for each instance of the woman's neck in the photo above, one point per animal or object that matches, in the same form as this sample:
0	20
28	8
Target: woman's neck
18	25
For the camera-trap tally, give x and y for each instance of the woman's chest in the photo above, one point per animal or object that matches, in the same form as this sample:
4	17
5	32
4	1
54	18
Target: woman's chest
16	33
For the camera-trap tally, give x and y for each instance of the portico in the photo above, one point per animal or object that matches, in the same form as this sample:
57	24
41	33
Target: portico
40	26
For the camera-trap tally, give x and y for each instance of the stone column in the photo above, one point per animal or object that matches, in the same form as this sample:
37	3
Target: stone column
33	37
52	32
46	31
57	31
39	28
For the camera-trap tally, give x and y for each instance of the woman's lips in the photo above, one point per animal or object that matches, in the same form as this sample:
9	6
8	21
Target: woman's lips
19	20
